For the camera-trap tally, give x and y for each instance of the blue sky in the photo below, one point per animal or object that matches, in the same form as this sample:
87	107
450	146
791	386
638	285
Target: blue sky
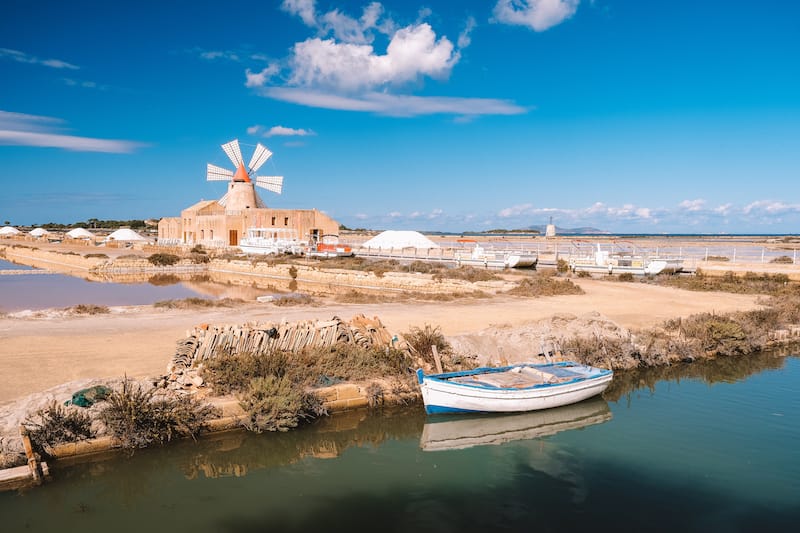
626	115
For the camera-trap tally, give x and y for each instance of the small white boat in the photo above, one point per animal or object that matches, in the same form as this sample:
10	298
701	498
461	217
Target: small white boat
457	432
515	388
621	261
271	241
481	257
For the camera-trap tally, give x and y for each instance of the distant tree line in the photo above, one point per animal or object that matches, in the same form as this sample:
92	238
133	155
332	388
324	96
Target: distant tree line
94	223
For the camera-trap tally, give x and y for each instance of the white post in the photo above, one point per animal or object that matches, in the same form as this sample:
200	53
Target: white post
706	259
762	255
734	255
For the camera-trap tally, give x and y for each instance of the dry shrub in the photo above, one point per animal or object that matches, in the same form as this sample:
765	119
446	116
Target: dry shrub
375	395
625	276
584	274
138	419
783	260
467	273
89	309
161	259
562	266
422	339
357	297
720	258
195	303
199	258
294	300
98	256
718	335
748	283
227	373
544	285
56	424
348	362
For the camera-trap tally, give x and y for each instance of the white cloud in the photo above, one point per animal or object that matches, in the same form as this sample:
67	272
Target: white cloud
22	57
769	207
436	213
361	216
276	131
515	211
539	15
261	78
642	212
220	54
19	129
340	68
302	8
413	51
692	205
395	105
395	214
723	209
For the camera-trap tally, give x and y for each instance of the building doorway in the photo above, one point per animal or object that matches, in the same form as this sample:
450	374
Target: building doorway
233	237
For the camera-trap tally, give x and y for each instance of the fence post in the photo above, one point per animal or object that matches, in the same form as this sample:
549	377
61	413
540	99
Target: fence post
762	254
734	255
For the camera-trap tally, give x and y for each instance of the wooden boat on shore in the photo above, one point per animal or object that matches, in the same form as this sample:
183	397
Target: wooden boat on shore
329	246
515	388
455	432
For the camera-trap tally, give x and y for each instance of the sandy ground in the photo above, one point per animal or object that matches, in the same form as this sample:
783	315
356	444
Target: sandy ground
36	354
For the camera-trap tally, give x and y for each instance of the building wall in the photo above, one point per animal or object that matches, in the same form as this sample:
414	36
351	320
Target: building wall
209	224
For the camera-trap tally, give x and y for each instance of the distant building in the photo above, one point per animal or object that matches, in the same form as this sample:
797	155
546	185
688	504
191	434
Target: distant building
213	224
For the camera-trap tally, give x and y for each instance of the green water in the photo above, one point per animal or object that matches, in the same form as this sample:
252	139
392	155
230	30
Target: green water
703	447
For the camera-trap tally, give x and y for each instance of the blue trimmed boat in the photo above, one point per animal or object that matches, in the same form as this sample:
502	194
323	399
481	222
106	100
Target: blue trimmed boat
510	389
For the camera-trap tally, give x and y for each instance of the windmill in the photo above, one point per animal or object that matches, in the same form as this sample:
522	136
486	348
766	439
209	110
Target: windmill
241	192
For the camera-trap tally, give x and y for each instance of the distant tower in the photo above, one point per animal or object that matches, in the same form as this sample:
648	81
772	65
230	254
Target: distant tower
551	229
241	191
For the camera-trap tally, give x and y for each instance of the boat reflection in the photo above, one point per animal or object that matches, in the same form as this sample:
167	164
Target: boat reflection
453	432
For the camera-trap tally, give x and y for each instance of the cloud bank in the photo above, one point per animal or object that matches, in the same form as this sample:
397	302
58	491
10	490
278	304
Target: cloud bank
538	15
19	129
22	57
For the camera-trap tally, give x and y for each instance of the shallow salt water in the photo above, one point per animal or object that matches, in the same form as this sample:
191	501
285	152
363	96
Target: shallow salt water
701	447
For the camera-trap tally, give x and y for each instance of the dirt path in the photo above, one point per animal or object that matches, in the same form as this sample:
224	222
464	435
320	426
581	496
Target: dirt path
36	354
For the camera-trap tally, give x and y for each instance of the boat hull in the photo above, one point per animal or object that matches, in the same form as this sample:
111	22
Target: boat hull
443	396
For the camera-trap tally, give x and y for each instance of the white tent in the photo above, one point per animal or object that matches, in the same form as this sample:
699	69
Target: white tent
125	235
80	233
38	232
397	240
8	231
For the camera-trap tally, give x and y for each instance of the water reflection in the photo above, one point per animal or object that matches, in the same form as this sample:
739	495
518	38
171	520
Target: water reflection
456	432
722	369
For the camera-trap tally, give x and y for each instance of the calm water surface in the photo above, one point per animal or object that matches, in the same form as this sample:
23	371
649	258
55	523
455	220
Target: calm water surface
703	447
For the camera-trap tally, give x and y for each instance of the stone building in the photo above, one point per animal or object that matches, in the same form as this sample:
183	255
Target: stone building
218	223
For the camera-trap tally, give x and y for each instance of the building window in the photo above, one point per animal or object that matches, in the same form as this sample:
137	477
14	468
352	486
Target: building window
273	221
211	234
202	234
285	221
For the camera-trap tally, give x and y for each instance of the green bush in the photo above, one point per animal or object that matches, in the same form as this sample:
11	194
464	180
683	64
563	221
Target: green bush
274	404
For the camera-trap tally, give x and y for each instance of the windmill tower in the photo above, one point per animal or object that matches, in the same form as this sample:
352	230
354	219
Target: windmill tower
241	188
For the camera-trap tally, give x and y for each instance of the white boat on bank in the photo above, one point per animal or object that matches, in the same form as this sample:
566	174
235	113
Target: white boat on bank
271	241
515	388
479	256
621	260
462	431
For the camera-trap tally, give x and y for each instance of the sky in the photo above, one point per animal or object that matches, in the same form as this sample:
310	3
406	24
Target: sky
629	116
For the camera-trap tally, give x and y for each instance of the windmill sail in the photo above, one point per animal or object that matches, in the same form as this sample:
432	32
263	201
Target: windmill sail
260	157
271	183
215	173
233	152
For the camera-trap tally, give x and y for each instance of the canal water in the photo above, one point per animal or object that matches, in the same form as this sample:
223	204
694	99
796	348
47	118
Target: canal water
701	447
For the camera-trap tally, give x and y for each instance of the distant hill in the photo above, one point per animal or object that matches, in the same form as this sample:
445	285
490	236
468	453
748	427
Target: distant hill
571	231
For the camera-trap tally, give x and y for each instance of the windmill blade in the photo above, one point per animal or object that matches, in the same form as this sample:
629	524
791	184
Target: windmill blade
215	173
224	200
260	157
233	152
271	183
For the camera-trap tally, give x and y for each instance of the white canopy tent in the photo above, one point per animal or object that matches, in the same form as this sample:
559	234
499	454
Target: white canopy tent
397	240
127	235
80	233
7	231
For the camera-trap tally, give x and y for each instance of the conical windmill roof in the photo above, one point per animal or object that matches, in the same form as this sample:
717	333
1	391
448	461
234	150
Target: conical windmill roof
9	230
80	233
38	232
397	240
125	235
